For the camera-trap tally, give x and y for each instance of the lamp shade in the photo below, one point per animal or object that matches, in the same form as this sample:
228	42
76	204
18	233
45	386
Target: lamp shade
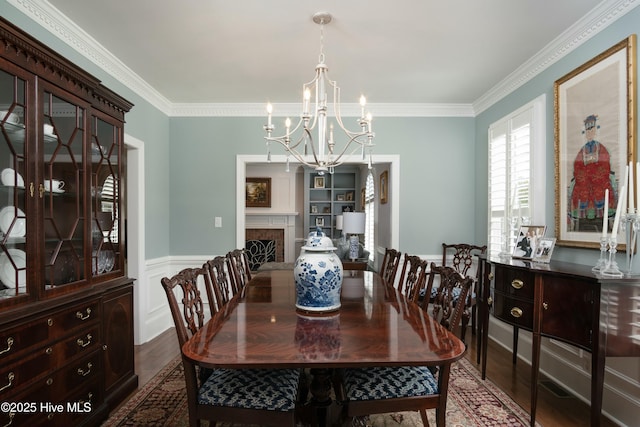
339	222
353	222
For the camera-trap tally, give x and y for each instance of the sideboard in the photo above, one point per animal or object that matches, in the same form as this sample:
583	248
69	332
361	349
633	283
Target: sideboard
566	302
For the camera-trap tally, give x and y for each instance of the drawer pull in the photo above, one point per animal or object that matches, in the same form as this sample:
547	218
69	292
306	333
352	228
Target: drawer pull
517	283
545	305
84	373
9	345
10	377
83	343
49	381
490	276
516	312
81	316
11	415
489	301
48	351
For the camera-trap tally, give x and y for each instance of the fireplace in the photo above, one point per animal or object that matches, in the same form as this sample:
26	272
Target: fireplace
264	245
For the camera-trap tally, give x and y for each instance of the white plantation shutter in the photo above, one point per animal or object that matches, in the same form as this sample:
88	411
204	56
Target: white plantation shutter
369	205
516	149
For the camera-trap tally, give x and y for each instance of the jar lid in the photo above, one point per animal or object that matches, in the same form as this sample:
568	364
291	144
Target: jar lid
318	241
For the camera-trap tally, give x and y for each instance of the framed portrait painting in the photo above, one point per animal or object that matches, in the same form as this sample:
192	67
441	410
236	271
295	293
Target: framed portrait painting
258	193
594	142
384	187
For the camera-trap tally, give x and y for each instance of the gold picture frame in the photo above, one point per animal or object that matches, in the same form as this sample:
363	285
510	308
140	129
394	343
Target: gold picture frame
384	187
258	192
594	135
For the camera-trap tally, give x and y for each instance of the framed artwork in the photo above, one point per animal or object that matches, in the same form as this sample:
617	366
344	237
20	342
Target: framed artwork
314	209
258	193
594	142
384	187
318	182
326	209
527	240
349	196
340	197
320	221
544	249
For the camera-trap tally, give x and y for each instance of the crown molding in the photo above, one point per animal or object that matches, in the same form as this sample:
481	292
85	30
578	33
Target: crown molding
603	15
58	24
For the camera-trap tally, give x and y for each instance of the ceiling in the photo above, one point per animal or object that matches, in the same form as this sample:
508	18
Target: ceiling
254	51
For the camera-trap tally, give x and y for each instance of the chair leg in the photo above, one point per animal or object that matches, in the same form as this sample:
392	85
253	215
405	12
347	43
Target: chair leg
425	420
474	319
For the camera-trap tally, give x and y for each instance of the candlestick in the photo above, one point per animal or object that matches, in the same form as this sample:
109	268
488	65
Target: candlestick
632	193
619	208
605	214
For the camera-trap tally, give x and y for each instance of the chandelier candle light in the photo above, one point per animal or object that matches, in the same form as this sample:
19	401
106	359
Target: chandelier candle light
297	140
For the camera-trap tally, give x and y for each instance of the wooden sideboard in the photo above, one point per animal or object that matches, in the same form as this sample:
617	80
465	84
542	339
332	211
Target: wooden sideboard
566	302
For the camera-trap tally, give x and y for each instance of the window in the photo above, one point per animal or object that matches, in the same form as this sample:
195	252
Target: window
369	205
516	175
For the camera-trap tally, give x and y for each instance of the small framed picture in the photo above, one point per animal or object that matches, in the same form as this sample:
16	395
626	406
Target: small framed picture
314	209
318	182
384	187
258	193
340	197
349	196
527	240
320	221
326	209
544	249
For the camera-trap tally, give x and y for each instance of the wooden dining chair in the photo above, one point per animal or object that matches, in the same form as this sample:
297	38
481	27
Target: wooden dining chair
238	267
413	276
219	283
460	257
375	390
245	396
389	266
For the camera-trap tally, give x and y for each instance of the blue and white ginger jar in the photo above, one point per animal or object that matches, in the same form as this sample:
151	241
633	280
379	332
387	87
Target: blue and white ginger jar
318	275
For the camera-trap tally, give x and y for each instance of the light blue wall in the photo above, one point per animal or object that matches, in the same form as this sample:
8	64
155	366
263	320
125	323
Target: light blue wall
436	167
543	83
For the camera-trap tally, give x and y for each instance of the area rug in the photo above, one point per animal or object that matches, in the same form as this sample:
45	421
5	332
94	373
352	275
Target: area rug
162	402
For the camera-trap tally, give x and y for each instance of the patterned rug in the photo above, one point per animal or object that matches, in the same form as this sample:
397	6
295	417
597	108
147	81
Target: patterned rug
472	402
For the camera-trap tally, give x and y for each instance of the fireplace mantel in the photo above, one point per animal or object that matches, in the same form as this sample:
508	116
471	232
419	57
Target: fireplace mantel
279	220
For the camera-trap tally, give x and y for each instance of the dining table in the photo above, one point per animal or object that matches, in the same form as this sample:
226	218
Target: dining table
375	325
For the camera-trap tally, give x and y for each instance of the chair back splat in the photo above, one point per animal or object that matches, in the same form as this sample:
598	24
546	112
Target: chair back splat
460	257
389	266
238	266
246	396
413	276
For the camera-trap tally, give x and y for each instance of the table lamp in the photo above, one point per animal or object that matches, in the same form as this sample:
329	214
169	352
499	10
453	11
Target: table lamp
353	224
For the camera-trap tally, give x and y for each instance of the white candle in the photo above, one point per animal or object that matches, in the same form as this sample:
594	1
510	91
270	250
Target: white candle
605	214
621	205
632	193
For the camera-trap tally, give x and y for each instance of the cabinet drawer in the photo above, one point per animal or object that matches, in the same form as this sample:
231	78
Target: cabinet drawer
512	310
514	282
18	340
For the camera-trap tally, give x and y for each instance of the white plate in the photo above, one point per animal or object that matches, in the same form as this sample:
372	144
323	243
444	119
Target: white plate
7	214
9	178
7	270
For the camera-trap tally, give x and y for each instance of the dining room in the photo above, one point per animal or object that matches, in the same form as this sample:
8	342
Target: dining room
434	125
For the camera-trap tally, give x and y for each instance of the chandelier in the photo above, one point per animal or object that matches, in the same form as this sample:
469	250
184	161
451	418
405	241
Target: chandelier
298	140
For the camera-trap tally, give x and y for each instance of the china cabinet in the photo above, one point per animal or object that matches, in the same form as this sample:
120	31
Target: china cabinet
66	305
329	195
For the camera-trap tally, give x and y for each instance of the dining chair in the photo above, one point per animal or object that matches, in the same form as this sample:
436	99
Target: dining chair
238	266
219	283
374	390
251	396
413	276
460	257
389	266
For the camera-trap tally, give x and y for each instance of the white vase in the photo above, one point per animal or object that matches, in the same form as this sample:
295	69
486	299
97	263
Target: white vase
318	275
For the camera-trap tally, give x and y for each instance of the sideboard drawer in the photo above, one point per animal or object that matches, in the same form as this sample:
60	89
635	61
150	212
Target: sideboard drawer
514	282
512	310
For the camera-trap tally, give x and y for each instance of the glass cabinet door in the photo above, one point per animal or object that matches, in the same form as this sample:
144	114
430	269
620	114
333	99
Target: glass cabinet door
13	195
106	141
63	190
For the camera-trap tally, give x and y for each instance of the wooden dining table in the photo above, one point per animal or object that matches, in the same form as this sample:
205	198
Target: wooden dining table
375	325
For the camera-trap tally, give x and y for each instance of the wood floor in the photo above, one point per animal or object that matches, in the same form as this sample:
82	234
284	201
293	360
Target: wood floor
514	381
